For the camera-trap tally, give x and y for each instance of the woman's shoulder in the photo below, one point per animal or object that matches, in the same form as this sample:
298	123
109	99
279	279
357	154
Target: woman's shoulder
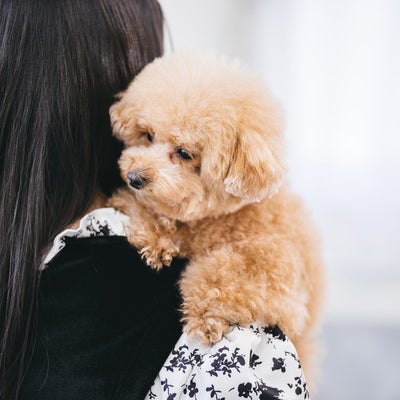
249	362
99	247
105	222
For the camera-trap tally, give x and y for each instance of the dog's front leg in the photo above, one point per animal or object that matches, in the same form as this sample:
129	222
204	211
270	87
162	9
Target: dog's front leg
211	292
157	252
155	240
240	285
154	236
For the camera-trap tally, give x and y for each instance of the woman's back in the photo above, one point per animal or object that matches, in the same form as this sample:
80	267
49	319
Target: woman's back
106	323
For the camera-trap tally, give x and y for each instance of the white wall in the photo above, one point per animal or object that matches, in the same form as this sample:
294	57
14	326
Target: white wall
335	67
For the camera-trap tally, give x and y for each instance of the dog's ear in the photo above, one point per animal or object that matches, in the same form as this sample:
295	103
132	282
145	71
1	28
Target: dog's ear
122	119
256	169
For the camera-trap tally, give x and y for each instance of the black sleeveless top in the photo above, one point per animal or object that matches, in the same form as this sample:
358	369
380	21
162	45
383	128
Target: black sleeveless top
107	322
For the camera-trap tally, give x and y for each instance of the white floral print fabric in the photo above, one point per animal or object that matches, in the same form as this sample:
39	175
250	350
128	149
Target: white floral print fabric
254	362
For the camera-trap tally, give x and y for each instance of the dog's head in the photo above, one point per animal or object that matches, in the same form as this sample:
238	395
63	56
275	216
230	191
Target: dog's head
202	137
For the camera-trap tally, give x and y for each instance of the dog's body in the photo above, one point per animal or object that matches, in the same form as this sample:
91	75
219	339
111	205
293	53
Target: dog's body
202	159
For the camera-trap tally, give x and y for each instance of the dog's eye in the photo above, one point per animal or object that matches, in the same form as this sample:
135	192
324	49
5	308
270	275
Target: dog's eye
147	135
183	154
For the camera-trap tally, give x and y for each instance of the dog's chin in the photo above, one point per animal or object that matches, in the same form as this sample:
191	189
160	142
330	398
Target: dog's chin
189	208
179	212
188	211
175	210
183	210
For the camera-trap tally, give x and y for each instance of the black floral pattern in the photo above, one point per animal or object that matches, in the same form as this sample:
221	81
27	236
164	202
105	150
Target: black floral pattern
300	387
245	390
183	358
279	364
253	362
255	329
166	386
225	361
96	227
275	332
265	392
214	393
191	388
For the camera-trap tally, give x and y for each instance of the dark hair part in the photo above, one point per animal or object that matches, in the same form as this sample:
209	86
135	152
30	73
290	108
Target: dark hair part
61	63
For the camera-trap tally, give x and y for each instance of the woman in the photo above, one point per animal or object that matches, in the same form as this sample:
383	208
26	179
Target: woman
82	317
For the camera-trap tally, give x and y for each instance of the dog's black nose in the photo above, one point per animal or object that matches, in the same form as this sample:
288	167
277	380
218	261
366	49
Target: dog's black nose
136	181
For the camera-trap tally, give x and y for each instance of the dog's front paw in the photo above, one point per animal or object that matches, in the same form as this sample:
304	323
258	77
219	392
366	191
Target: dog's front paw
160	255
208	329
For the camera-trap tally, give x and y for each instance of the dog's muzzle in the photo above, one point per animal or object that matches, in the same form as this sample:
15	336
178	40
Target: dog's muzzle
136	180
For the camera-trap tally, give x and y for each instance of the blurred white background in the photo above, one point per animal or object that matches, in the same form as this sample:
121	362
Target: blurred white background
335	68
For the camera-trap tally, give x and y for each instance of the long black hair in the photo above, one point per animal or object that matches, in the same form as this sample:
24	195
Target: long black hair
61	63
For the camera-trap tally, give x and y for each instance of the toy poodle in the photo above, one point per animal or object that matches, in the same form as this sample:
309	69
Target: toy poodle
204	172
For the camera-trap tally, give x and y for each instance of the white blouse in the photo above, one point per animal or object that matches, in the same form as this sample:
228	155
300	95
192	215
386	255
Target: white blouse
252	362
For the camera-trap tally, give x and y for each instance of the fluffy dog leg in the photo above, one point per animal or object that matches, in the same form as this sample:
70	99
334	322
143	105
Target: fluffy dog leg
228	287
152	235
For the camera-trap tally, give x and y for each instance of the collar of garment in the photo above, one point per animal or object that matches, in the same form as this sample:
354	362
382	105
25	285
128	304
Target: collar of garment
100	222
